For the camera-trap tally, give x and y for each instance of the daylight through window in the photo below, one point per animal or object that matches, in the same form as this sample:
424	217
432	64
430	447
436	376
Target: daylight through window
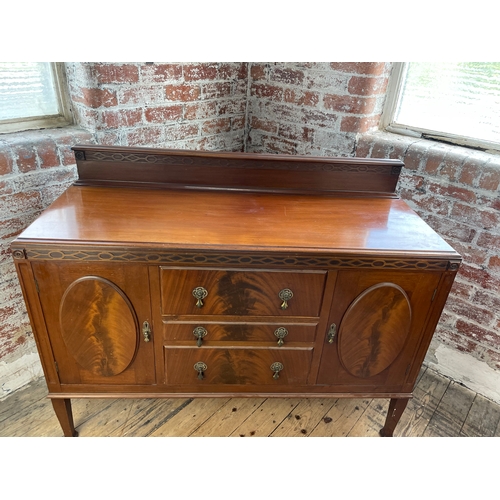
31	96
457	101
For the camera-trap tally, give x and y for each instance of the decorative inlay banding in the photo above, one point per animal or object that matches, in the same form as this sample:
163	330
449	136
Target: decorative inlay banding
241	163
151	256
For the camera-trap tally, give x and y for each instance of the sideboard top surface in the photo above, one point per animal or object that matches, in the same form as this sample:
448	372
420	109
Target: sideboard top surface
241	221
243	202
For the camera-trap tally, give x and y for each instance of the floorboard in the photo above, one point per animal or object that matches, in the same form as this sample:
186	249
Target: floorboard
23	398
266	419
372	419
483	418
187	421
450	415
341	418
304	418
228	418
440	407
426	398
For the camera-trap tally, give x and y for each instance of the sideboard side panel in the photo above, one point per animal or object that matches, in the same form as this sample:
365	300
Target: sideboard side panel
37	321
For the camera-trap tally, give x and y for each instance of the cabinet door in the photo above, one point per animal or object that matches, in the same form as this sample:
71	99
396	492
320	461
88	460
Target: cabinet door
378	318
94	315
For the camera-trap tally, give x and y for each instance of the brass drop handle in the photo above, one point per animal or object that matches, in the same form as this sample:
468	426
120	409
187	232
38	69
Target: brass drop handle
285	295
331	333
199	332
281	333
146	331
200	367
199	293
276	368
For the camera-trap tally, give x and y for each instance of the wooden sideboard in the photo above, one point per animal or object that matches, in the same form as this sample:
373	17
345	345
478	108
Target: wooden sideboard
168	273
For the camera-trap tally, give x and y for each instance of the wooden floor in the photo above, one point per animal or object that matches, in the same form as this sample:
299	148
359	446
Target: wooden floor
440	407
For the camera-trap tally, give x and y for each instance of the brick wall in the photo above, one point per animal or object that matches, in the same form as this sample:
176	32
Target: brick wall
185	105
456	190
173	105
295	108
314	108
35	168
334	109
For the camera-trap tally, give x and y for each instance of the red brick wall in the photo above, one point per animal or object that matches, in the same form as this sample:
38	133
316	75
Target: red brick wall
456	190
185	105
172	105
296	108
35	168
314	108
334	109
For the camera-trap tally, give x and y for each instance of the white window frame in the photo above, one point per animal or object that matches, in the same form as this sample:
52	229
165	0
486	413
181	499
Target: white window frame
63	118
393	95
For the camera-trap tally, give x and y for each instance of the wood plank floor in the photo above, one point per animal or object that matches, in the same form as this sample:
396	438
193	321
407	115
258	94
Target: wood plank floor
440	407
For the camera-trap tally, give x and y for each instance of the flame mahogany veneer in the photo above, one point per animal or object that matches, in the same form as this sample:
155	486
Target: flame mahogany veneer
168	273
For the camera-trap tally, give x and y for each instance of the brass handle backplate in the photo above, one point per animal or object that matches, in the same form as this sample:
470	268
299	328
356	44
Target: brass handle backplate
331	333
281	333
200	367
285	295
199	293
276	368
199	332
146	331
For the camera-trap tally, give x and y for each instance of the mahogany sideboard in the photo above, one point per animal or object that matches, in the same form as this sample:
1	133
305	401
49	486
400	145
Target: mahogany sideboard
171	273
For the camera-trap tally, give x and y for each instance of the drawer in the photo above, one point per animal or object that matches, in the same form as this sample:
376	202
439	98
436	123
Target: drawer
275	366
241	293
204	333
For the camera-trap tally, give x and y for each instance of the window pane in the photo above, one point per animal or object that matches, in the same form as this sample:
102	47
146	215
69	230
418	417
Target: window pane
456	98
26	90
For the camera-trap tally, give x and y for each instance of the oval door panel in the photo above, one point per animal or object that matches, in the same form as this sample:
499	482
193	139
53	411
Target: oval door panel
374	330
98	326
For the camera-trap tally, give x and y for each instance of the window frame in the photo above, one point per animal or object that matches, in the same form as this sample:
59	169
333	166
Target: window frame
394	91
62	119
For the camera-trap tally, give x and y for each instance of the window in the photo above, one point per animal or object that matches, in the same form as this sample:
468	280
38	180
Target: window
456	102
32	95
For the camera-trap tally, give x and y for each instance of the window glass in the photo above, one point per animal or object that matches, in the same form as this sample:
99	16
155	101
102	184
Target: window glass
27	90
460	98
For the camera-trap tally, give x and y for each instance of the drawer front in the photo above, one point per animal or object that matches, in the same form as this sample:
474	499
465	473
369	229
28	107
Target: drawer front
237	366
205	333
241	293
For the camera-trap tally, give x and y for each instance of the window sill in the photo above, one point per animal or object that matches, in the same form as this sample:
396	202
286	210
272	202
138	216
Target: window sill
34	150
412	150
487	147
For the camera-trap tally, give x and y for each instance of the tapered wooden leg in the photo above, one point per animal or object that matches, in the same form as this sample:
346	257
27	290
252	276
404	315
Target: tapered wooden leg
62	408
396	409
